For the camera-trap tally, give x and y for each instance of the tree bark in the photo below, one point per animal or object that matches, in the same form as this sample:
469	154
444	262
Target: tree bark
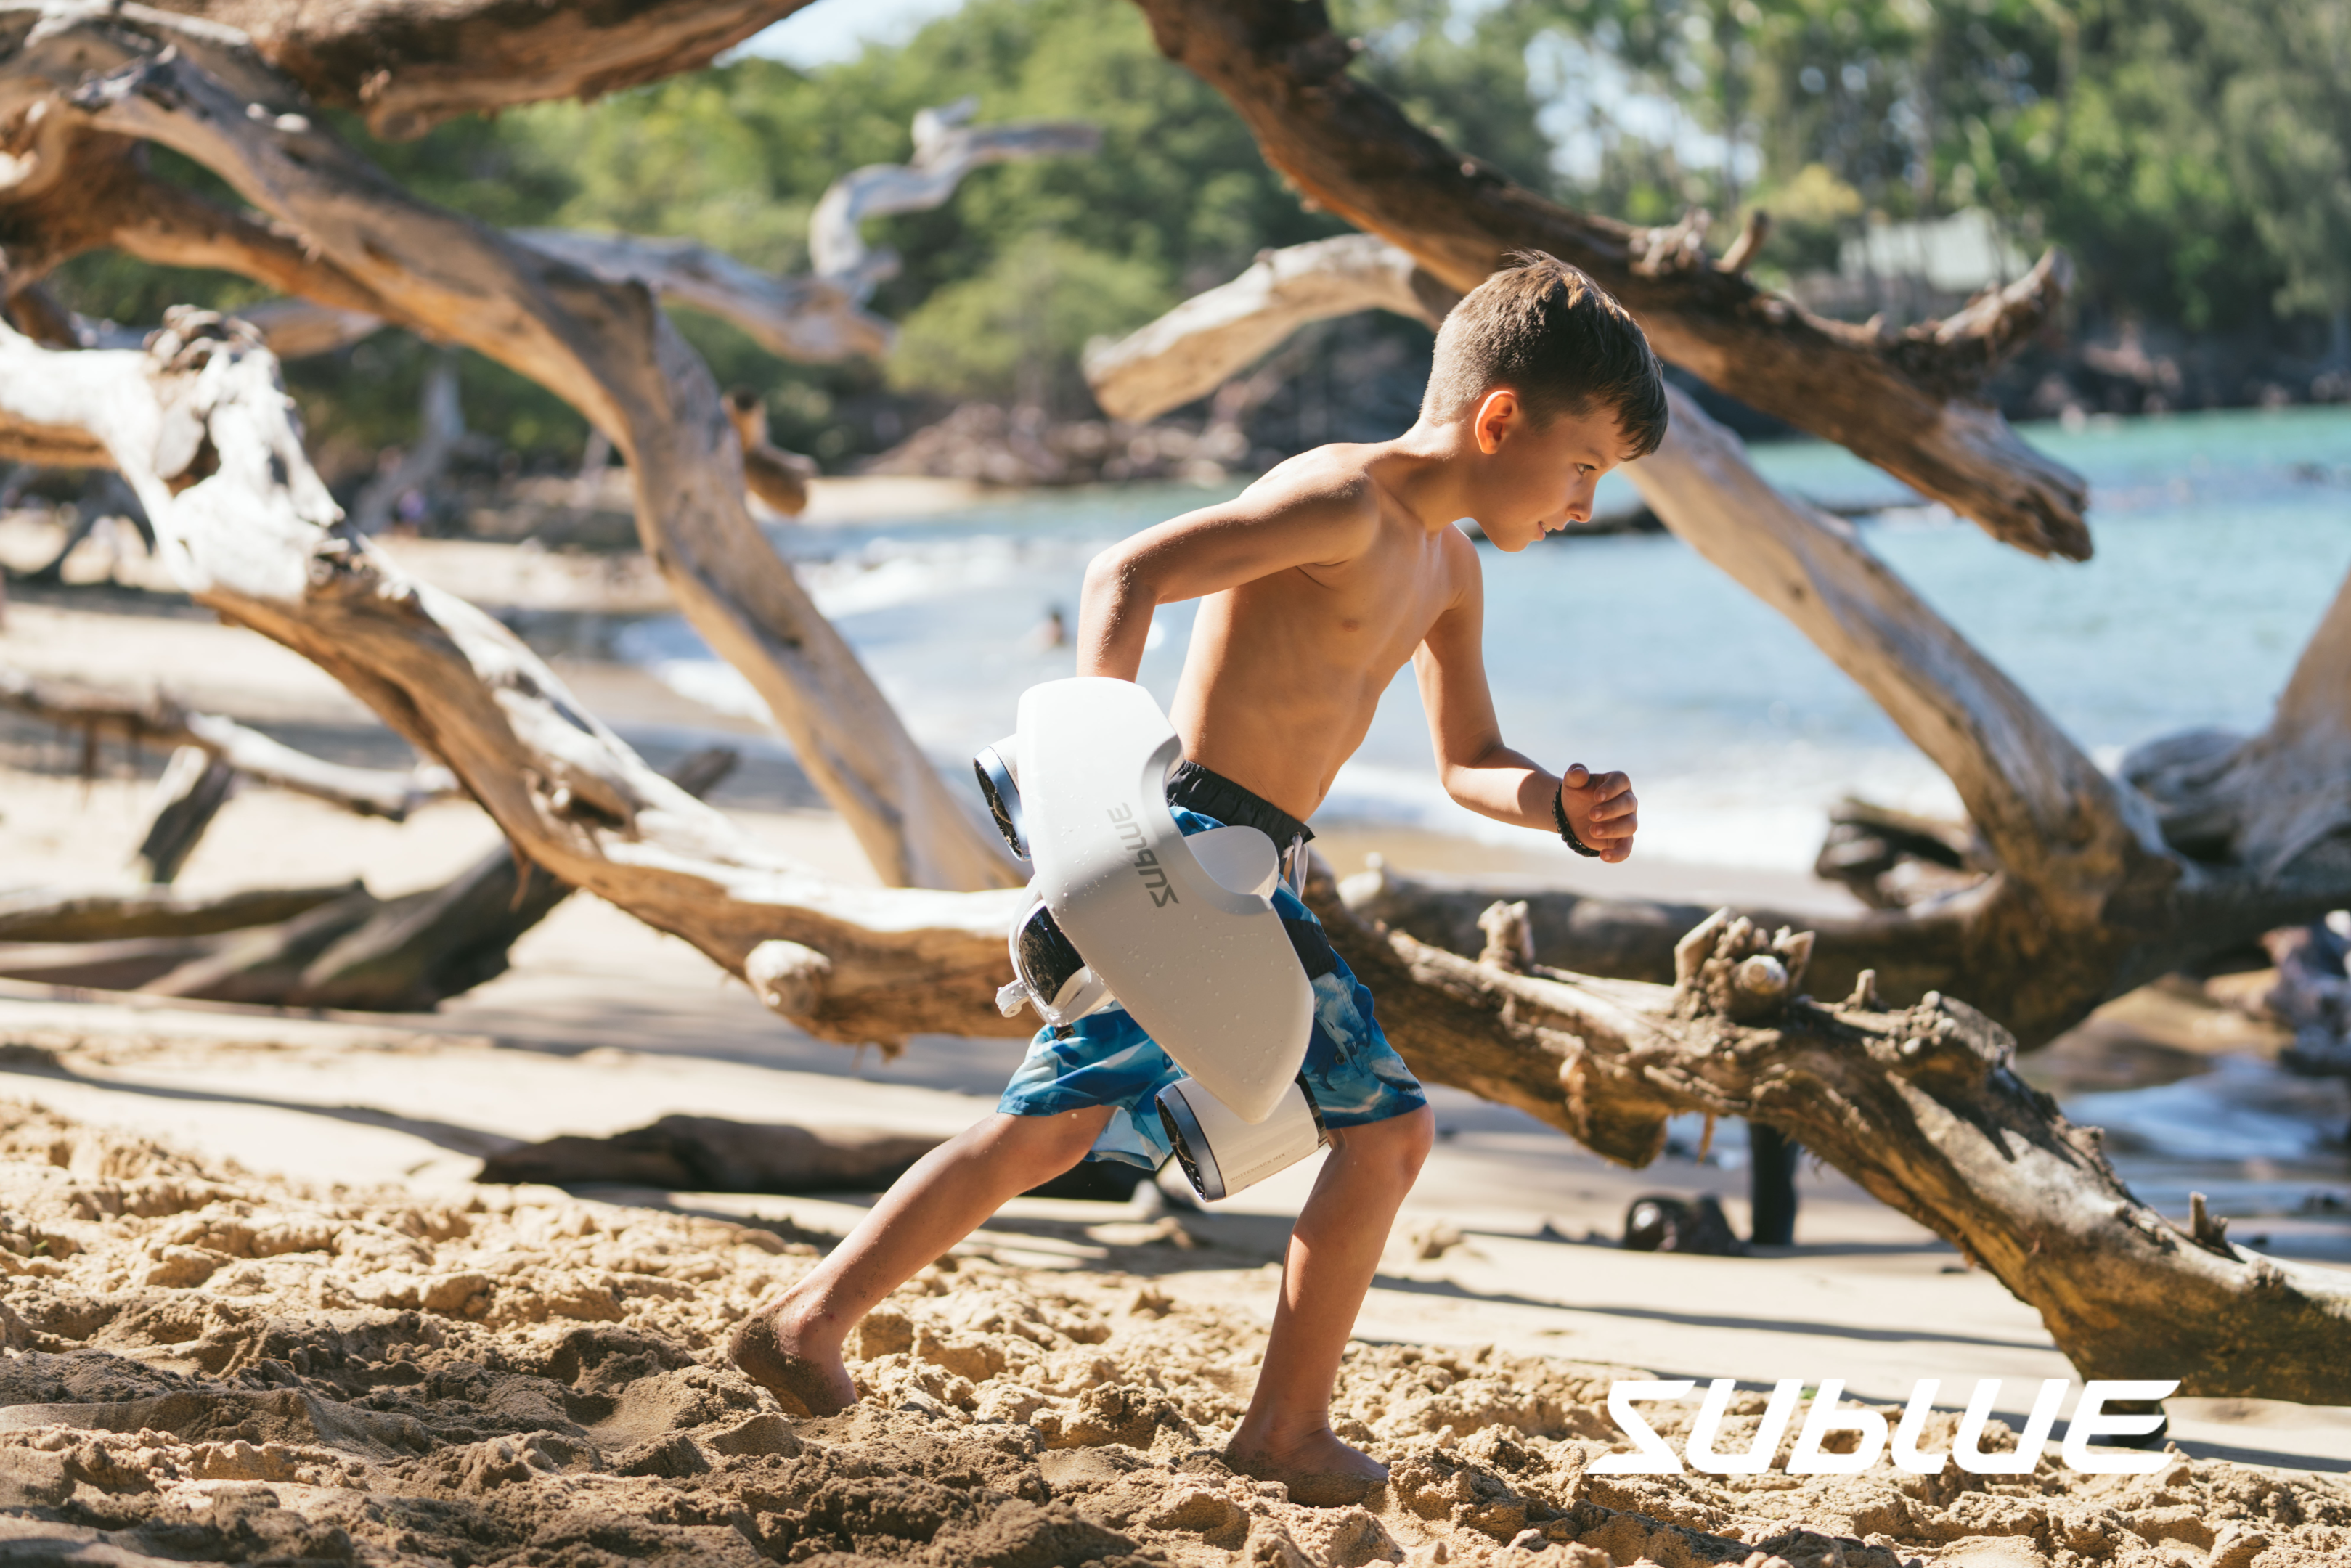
1200	345
1906	404
407	65
1919	1105
195	787
777	477
605	348
153	913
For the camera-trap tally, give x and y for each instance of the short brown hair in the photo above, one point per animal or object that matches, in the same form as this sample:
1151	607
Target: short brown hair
1545	330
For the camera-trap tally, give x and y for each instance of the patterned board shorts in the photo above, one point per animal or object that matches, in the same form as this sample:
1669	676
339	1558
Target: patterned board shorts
1355	1075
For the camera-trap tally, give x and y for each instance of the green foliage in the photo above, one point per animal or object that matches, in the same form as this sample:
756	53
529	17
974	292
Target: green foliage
1013	334
2191	153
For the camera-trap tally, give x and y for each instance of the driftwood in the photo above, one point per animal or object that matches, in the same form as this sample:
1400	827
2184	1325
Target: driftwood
947	146
1202	343
153	913
2074	887
147	75
347	949
1918	1105
408	66
195	787
710	1154
1904	401
159	721
778	477
819	318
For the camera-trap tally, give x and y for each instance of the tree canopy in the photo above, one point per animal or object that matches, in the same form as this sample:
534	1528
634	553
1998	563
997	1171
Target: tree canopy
2191	154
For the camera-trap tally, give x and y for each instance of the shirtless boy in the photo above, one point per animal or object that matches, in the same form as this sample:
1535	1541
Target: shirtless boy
1318	583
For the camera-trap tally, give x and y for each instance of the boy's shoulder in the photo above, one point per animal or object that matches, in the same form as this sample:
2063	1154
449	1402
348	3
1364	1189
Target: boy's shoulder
1331	484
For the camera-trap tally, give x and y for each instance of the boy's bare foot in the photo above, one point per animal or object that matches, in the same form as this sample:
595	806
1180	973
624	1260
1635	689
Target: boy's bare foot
1320	1470
770	1354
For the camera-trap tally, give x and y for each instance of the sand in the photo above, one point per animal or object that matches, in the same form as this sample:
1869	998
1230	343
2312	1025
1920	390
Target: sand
413	1368
207	1363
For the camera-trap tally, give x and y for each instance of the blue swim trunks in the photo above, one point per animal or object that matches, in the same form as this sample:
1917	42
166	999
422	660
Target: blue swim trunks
1355	1076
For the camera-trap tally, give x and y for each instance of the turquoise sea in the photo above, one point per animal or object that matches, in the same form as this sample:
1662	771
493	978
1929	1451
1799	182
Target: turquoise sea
2221	539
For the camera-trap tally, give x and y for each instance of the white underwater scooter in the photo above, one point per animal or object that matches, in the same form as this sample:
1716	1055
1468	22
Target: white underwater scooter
1179	930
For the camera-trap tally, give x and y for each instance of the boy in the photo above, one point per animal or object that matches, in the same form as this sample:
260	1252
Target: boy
1318	581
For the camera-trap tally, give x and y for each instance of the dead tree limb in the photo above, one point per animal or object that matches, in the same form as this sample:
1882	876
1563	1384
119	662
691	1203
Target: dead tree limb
405	954
819	318
251	533
947	147
605	348
48	917
816	319
1906	404
1201	344
195	787
296	329
777	477
408	66
1919	1105
159	721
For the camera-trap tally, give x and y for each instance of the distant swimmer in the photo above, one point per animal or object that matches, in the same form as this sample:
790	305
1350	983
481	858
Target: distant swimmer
1315	586
1051	633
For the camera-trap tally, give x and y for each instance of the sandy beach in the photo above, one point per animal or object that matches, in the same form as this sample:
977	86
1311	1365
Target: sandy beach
257	1304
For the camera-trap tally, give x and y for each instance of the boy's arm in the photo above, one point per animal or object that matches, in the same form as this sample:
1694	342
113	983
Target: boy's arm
1265	529
1477	769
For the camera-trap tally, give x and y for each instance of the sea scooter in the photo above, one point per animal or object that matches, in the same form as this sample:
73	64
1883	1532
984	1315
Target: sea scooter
1181	932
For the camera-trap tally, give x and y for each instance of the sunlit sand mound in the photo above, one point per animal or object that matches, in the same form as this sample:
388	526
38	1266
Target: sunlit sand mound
206	1365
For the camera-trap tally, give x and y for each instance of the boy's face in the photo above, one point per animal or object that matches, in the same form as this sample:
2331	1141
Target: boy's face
1537	476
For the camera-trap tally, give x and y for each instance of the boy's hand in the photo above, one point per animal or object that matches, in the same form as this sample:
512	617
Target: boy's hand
1602	811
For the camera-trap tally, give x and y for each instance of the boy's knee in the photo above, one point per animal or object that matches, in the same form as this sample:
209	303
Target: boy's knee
1048	1145
1399	1144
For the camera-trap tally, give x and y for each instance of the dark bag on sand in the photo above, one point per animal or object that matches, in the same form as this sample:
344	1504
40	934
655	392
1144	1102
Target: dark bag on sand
1660	1222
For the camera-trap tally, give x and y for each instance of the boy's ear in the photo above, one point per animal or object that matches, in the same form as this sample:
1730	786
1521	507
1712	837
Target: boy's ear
1498	413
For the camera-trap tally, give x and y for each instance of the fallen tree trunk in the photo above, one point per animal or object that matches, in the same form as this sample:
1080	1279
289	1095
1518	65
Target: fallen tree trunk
1903	403
602	346
159	721
1917	1104
154	913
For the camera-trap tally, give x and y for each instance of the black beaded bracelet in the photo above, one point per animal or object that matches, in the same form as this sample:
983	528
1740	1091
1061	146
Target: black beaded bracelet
1566	833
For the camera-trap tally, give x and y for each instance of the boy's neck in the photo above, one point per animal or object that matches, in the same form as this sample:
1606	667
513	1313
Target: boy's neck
1423	470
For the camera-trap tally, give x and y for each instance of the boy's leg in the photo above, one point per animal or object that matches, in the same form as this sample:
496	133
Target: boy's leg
1334	1250
791	1346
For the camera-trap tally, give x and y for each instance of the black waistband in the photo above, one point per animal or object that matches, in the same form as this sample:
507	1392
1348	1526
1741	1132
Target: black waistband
1196	788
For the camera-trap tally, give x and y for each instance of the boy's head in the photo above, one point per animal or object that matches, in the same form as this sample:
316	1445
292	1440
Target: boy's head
1576	366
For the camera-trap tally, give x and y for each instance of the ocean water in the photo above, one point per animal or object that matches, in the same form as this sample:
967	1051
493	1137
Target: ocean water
2221	539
